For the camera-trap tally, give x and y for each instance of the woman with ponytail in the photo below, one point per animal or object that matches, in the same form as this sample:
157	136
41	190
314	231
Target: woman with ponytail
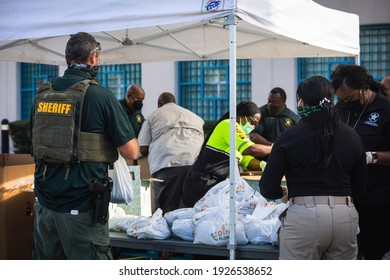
324	163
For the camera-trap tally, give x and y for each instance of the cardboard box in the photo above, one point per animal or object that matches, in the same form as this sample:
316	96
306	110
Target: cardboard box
16	206
144	166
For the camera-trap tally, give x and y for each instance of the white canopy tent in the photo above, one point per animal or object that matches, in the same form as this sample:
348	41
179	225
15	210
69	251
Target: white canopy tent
132	31
138	31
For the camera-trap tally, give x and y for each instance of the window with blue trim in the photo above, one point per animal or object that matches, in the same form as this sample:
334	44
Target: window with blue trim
374	55
119	76
32	77
115	77
204	86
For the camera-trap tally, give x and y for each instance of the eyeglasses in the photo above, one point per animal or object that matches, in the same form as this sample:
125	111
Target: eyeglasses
348	95
97	49
253	121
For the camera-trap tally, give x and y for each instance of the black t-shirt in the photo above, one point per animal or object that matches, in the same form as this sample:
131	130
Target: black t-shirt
374	128
345	175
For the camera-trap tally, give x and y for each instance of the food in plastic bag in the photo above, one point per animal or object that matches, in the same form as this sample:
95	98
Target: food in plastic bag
184	229
212	228
181	213
263	225
262	231
217	233
216	196
119	220
154	227
122	190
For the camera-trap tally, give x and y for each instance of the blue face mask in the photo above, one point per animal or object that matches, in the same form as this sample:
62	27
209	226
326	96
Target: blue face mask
247	127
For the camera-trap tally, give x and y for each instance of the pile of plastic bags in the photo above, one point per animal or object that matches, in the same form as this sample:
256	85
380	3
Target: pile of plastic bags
208	221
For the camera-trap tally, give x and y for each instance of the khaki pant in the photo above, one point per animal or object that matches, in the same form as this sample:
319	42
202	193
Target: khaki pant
313	231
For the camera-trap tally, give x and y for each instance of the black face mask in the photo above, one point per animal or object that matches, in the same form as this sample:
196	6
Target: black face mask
275	110
352	106
88	68
137	105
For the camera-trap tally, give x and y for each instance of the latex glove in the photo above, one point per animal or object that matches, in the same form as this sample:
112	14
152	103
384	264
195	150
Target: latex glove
284	198
262	165
369	157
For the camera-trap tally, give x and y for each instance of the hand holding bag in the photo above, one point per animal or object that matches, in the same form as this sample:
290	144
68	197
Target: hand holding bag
122	190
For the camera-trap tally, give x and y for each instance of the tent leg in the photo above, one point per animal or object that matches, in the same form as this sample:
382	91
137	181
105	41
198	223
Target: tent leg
230	20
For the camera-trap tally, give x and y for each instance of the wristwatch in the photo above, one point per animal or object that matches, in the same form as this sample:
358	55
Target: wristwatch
374	157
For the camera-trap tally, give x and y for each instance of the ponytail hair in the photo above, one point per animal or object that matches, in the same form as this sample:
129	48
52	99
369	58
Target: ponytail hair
317	92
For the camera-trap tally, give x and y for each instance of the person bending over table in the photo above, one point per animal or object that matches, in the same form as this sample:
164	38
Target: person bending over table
212	163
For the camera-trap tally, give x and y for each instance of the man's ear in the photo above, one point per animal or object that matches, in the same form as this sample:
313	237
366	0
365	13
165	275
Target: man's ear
93	59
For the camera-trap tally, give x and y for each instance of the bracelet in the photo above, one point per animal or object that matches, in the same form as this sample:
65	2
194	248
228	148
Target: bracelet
374	157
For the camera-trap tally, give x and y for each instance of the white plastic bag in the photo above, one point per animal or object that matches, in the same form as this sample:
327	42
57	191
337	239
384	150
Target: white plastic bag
216	233
178	214
184	228
122	189
154	227
213	228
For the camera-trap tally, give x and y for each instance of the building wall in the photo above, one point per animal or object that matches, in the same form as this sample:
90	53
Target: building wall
270	73
162	76
370	12
157	77
9	91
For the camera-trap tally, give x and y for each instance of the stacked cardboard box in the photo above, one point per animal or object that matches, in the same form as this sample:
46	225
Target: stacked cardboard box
16	206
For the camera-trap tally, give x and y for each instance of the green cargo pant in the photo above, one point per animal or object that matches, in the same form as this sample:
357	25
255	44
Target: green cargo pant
61	236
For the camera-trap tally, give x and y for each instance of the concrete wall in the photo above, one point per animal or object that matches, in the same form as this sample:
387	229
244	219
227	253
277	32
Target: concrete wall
9	91
157	77
370	12
270	73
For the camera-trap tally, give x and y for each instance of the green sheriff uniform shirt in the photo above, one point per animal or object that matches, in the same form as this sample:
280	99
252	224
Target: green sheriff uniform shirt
214	158
101	113
135	117
270	127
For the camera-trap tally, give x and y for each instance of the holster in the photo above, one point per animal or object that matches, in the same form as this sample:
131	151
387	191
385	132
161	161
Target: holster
101	194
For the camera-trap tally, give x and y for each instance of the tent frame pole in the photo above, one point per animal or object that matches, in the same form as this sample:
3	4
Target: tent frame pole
230	21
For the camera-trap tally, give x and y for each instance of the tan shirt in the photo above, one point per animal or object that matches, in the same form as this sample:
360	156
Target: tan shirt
174	136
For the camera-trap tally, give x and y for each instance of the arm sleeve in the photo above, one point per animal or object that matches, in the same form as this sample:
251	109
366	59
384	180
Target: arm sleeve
145	134
242	140
272	176
245	161
117	124
359	175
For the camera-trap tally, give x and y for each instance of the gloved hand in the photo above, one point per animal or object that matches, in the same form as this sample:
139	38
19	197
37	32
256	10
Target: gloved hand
284	198
262	165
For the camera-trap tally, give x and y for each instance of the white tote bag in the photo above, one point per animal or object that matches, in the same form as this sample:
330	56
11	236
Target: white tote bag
122	189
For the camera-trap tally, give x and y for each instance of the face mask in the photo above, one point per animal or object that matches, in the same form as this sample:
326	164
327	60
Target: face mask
275	110
247	128
352	106
89	68
305	111
137	105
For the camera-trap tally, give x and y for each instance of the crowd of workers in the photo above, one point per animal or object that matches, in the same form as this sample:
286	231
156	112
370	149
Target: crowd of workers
335	157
